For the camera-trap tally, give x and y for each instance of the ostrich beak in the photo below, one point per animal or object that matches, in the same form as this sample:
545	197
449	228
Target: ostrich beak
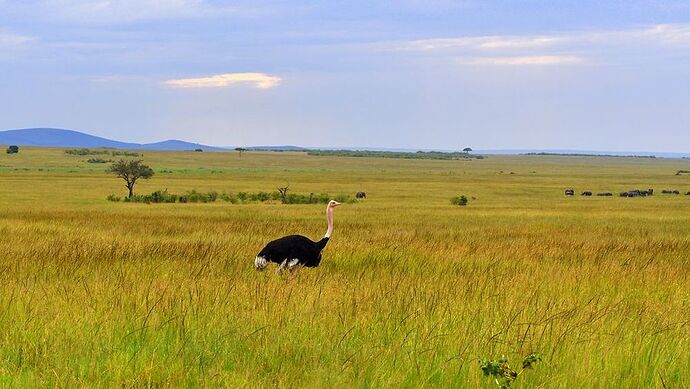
335	203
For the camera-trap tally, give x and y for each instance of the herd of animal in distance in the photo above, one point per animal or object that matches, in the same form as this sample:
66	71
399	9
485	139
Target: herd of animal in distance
629	193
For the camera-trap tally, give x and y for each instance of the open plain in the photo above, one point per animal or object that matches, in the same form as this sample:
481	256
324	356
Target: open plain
412	290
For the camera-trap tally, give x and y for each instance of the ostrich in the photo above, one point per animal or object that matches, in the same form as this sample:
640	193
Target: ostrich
293	250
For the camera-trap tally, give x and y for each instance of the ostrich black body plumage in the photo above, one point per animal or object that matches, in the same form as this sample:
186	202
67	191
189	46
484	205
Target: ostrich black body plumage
295	251
294	248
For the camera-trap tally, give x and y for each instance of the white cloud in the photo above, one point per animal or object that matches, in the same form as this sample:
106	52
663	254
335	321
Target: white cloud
547	49
483	42
672	34
257	80
523	60
668	33
7	39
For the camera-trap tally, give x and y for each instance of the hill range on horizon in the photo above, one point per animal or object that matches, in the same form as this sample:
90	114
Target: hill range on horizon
56	137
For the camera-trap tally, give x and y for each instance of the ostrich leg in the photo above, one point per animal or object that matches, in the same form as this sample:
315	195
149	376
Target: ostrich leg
281	267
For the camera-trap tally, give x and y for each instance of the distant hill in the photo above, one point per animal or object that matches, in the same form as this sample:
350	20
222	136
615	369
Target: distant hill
55	137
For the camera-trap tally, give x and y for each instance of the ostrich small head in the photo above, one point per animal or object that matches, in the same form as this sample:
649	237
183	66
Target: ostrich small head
333	204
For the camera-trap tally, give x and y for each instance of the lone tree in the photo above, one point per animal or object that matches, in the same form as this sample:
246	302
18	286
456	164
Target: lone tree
467	150
13	150
283	191
240	150
131	171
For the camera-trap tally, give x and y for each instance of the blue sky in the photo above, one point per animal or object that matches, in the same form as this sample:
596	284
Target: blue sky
599	75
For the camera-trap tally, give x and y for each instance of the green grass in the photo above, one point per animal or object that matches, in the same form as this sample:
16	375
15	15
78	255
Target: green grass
412	290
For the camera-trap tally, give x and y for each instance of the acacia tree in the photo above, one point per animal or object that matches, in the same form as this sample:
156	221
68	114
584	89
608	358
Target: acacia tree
467	150
240	150
131	171
283	191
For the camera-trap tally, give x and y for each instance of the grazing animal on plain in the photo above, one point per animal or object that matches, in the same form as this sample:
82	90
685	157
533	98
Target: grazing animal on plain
637	192
605	194
294	251
687	193
361	195
570	192
668	191
586	193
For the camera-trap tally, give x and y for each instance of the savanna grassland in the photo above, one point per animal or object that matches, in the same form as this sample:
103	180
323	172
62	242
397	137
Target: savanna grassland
411	292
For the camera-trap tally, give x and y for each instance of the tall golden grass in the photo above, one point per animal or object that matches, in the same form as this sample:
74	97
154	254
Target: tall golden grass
411	292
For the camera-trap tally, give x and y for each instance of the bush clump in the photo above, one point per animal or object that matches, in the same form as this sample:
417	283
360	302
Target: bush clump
112	197
159	196
84	151
98	160
450	156
198	197
459	200
115	153
194	196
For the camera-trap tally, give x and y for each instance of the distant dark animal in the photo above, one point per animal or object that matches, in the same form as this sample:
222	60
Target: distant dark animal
669	191
570	192
637	193
586	193
687	193
605	194
361	195
293	251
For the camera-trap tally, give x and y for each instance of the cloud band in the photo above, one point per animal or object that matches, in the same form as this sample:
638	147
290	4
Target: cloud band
256	80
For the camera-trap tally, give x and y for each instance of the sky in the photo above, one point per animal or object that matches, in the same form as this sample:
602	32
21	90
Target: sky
435	74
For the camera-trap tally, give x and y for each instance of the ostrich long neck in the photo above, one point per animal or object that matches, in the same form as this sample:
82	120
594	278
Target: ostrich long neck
329	217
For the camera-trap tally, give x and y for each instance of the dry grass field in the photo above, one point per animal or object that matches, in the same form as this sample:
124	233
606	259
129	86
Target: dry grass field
411	292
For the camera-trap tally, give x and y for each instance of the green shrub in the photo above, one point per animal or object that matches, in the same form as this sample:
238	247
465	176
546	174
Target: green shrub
396	154
85	151
162	196
342	198
115	153
112	197
198	197
264	196
98	160
460	200
134	199
193	196
228	198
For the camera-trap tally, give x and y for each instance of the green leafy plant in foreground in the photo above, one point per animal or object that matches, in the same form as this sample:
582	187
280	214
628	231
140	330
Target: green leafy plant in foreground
501	371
